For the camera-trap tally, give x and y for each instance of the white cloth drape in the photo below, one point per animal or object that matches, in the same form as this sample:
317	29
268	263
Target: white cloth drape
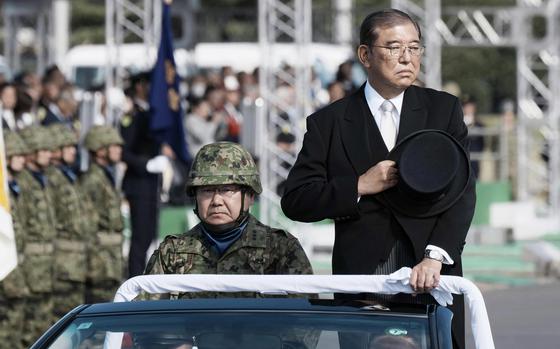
398	282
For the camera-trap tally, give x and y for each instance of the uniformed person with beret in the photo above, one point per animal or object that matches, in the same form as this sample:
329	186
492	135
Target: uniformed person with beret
104	251
229	240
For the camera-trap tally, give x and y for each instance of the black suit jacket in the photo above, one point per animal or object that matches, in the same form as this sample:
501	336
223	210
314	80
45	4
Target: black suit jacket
139	147
342	142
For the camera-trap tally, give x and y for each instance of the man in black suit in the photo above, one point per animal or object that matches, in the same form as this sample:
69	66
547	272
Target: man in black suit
142	179
342	171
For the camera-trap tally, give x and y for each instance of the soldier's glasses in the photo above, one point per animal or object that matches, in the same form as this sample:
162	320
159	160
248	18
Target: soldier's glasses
222	190
398	50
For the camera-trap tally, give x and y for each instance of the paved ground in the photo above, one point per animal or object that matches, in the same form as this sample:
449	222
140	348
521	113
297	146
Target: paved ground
524	317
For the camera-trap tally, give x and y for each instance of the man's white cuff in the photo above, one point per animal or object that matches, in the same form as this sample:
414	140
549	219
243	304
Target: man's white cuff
446	258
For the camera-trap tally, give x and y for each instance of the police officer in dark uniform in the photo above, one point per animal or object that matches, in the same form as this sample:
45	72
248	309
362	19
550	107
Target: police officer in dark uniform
141	183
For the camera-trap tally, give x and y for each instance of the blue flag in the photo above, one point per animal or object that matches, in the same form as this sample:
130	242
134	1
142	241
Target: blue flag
166	121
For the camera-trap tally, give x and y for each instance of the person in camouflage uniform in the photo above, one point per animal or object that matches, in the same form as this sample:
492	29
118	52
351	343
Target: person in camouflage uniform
40	232
73	225
13	289
229	240
104	253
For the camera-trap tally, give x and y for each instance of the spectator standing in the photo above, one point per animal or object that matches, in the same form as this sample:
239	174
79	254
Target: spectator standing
476	144
201	126
63	110
8	101
336	91
344	76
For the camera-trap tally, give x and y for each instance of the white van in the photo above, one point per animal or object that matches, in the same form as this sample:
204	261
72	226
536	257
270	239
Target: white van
246	56
85	64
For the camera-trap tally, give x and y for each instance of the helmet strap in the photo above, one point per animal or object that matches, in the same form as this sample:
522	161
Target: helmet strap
242	212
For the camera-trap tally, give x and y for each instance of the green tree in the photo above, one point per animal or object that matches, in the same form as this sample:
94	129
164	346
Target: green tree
487	74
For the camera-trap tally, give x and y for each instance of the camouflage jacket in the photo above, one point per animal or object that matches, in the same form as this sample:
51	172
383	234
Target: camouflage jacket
72	220
14	286
37	220
259	250
37	214
17	212
105	198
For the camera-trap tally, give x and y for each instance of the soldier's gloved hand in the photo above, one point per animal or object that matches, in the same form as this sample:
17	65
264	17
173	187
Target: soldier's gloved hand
157	164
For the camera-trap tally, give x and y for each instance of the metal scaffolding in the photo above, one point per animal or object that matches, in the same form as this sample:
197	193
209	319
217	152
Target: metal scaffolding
285	96
538	85
35	28
127	20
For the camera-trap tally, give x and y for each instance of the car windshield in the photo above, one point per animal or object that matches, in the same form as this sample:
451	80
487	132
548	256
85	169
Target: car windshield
247	329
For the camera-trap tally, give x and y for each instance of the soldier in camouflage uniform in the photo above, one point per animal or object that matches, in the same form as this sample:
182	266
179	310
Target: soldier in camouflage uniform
105	260
228	240
72	223
40	233
13	289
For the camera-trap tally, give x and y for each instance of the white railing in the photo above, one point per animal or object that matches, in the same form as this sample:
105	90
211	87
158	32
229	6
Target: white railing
397	282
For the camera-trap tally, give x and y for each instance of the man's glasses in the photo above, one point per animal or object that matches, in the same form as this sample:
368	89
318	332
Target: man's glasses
227	191
398	50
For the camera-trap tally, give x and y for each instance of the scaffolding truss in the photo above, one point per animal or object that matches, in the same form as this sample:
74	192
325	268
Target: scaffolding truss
538	86
28	14
285	96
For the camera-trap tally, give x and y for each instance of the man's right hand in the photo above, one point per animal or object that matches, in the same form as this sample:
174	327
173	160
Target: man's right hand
378	178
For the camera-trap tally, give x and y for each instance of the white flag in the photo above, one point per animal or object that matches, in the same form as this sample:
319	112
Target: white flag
8	253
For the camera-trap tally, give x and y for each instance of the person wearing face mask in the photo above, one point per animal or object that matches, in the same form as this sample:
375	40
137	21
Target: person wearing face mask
200	125
228	240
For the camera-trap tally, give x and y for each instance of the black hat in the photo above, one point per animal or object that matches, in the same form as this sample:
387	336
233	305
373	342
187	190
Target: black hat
434	171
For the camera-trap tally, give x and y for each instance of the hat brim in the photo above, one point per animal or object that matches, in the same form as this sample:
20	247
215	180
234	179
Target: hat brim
405	205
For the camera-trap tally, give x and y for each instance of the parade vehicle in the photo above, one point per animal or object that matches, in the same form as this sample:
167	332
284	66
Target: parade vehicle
269	322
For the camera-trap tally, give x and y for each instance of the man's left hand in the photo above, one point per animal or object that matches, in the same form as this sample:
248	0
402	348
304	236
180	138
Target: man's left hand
425	275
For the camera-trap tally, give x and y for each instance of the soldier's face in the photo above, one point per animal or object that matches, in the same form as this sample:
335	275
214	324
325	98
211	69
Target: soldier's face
17	162
55	155
221	204
69	154
114	153
43	158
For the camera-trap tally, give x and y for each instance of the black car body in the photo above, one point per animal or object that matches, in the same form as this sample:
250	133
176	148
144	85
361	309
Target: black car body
250	323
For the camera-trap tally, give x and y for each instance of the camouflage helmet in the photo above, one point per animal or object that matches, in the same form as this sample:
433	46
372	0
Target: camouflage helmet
223	163
62	136
14	144
102	136
37	138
